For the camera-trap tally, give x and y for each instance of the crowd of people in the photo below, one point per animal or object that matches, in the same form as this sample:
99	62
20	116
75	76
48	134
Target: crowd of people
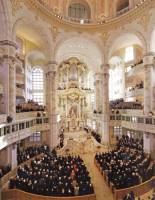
137	63
33	102
97	112
20	108
130	105
96	136
115	102
5	170
131	143
61	137
138	86
30	152
54	176
125	168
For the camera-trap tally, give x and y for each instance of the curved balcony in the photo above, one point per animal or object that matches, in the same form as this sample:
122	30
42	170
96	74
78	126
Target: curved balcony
91	21
20	92
135	70
135	93
22	130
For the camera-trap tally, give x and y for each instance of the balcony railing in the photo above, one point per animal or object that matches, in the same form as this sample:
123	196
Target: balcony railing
90	21
135	70
18	130
135	93
20	92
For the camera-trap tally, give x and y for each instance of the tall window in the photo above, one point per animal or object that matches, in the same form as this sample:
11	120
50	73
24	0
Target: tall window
19	42
78	10
117	130
129	54
37	85
35	137
94	125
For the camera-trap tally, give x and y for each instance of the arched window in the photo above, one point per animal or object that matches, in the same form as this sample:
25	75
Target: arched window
37	85
19	42
129	54
123	5
78	10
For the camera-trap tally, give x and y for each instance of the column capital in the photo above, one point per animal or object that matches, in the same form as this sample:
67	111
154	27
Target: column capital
148	58
8	49
105	68
51	66
8	42
97	77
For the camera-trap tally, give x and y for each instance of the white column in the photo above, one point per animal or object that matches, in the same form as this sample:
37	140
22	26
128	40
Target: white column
149	144
105	104
149	82
8	78
51	101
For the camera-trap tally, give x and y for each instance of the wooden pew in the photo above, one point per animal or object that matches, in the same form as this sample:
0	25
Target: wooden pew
13	173
138	189
21	195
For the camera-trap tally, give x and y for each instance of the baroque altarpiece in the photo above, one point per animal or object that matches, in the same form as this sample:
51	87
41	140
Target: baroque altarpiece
72	94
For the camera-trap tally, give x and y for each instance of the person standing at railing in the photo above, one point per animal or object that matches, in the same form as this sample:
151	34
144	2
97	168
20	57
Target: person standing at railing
9	167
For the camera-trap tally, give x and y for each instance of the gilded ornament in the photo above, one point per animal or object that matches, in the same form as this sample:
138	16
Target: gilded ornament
104	37
54	32
144	19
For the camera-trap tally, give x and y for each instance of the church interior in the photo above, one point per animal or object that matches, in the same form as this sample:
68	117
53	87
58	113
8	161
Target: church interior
77	99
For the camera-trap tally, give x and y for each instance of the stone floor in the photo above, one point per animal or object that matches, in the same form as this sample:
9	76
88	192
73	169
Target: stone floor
101	189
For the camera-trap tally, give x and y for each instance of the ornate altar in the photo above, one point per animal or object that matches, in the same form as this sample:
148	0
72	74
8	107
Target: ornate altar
71	94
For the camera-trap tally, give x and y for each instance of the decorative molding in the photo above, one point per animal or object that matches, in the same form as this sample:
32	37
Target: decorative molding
51	63
104	37
69	26
54	32
144	19
15	6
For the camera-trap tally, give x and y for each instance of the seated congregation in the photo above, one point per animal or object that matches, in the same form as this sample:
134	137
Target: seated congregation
54	176
126	166
30	152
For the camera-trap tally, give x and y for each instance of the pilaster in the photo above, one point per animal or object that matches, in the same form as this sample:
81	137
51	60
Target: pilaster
97	90
8	77
51	96
105	104
149	82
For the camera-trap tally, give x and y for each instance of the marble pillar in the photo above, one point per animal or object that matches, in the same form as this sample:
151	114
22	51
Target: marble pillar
149	82
50	70
97	94
98	89
149	144
8	77
9	155
105	104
